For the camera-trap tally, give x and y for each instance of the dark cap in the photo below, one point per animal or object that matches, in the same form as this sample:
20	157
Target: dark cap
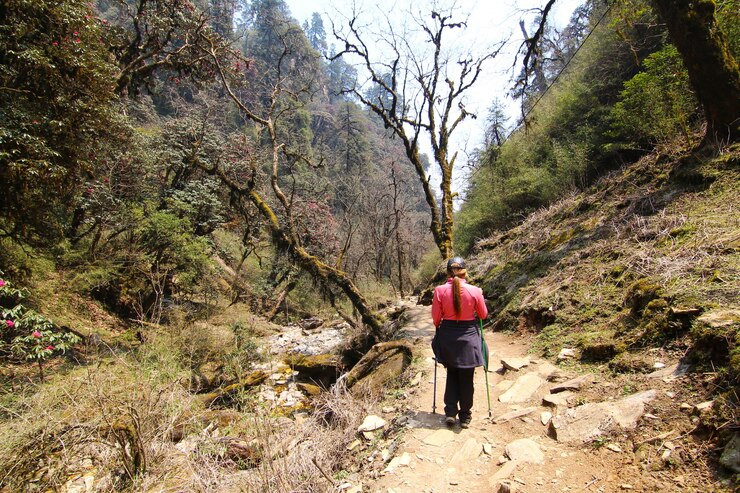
455	263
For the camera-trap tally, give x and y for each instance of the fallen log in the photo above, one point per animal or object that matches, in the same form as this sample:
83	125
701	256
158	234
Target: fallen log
226	394
382	362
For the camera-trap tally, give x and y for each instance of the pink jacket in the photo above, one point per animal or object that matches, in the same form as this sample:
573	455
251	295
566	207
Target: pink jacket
471	303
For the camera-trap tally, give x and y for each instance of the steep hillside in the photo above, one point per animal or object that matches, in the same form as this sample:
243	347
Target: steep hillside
639	271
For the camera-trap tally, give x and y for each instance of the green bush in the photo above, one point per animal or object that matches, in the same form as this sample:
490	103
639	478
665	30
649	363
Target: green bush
657	104
57	102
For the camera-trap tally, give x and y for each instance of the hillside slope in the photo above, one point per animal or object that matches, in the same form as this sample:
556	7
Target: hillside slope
641	270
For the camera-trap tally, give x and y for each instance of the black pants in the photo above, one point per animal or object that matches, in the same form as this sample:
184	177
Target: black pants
459	390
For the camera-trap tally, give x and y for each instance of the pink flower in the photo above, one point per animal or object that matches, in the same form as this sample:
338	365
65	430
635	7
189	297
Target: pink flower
75	33
10	324
50	348
36	334
2	283
55	43
77	40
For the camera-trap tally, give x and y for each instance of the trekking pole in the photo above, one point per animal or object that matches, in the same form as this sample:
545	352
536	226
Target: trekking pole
434	399
484	348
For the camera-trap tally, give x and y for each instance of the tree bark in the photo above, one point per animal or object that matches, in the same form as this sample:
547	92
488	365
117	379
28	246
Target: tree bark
712	69
368	362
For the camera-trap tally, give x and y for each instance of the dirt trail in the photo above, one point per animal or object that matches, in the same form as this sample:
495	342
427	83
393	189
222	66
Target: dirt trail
454	460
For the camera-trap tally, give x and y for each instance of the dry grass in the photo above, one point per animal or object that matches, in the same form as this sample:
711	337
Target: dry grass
108	415
115	420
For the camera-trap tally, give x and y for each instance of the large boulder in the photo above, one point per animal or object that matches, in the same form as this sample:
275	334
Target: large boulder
583	424
524	388
525	450
731	454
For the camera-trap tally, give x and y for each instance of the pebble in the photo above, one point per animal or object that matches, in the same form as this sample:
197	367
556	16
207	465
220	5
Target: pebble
614	447
625	486
353	445
566	353
371	423
704	406
416	380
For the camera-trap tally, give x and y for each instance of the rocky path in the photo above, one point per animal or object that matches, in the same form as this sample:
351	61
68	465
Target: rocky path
514	451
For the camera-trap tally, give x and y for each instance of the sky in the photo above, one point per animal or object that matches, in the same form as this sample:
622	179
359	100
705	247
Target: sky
489	23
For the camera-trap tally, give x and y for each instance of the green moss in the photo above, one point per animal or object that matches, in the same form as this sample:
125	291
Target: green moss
656	306
677	236
715	344
620	274
562	237
641	293
601	349
631	363
552	338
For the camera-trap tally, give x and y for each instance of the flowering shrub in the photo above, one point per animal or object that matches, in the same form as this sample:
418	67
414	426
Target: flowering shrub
25	332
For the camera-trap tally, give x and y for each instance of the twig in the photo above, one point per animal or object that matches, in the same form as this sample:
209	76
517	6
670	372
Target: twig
333	483
591	483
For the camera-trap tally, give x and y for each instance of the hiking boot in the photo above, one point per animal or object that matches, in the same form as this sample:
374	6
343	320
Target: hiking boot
465	423
450	421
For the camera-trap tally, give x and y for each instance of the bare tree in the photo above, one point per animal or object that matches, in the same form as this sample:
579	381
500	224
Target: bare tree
419	98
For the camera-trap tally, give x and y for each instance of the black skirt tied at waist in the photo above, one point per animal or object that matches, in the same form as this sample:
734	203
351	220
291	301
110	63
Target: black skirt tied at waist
457	344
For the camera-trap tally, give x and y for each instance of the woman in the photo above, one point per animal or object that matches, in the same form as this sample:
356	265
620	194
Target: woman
457	340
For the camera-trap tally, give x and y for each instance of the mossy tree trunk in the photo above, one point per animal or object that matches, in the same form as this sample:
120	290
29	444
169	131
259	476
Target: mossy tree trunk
712	69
